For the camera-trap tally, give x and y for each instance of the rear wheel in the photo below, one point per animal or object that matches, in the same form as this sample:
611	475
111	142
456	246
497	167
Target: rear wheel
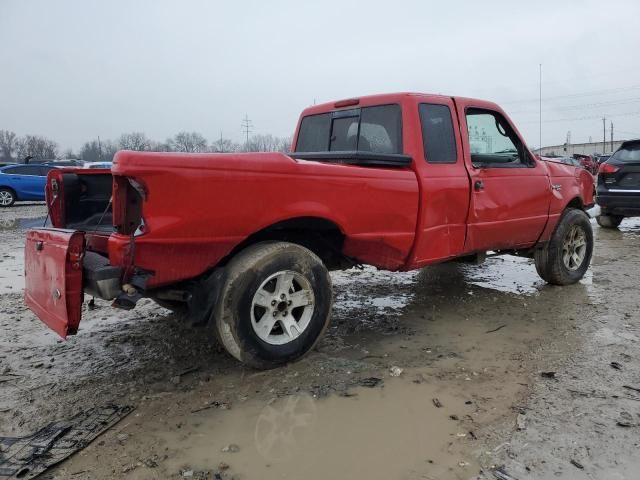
274	304
565	258
609	221
7	197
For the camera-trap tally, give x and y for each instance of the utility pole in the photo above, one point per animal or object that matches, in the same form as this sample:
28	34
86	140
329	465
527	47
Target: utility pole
611	136
247	127
540	113
604	134
99	149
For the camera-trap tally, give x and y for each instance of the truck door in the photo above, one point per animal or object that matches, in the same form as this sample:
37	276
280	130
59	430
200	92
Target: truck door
444	182
510	189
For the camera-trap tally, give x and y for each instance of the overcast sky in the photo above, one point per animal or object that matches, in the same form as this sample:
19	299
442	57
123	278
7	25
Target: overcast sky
73	70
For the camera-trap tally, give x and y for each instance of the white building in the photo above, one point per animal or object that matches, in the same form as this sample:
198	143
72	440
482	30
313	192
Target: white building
590	148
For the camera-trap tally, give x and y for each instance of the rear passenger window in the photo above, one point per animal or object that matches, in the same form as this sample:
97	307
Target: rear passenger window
314	133
437	134
369	129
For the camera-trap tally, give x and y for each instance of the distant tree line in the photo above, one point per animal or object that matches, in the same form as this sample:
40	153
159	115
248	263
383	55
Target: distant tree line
14	148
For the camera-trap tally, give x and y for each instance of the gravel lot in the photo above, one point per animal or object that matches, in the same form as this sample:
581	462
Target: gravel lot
471	343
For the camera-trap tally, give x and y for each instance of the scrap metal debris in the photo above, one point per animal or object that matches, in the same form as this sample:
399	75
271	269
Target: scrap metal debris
501	474
27	457
521	421
370	382
616	365
577	464
495	329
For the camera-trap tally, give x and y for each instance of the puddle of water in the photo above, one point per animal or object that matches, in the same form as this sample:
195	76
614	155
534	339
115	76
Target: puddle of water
393	290
392	432
630	225
507	274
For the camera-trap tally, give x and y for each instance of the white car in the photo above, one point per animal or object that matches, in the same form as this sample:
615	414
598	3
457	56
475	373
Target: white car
97	165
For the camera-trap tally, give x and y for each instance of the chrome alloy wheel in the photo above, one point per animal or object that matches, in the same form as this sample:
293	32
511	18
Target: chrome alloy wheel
282	307
6	198
574	248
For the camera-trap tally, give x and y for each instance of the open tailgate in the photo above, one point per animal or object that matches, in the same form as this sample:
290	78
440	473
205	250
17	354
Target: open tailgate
53	277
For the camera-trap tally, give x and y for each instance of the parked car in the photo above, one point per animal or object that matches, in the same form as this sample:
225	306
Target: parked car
244	242
20	182
587	162
64	163
97	165
618	190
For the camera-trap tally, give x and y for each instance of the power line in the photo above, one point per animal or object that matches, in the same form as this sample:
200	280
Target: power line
247	127
585	106
589	117
573	95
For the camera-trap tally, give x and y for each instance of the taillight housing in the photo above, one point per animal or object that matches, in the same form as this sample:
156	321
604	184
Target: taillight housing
608	168
54	196
128	195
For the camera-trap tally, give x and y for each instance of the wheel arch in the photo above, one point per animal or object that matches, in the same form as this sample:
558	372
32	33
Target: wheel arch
12	190
322	236
576	203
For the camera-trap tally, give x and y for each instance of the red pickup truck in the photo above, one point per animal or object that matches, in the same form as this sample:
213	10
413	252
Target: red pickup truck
244	242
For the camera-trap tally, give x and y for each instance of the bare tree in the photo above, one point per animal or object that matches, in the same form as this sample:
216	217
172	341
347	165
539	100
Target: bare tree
137	141
91	151
109	149
162	146
36	147
191	142
224	145
8	144
68	154
268	143
98	151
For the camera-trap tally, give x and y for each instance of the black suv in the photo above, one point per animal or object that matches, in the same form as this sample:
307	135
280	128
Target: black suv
618	192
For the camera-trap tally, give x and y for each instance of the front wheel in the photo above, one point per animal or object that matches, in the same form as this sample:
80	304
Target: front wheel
566	257
274	304
7	197
609	221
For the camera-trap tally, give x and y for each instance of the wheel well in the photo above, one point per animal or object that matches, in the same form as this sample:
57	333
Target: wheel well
575	203
321	236
15	194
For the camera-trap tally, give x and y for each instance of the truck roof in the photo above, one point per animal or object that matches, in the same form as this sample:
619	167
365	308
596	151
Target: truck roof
379	99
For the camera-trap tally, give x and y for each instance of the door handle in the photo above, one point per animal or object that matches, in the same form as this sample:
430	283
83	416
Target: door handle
478	186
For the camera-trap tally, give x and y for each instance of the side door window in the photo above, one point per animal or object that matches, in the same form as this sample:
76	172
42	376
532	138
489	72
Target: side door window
29	170
492	141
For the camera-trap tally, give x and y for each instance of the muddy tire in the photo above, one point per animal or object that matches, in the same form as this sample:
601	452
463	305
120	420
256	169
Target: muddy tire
609	221
7	197
566	257
274	304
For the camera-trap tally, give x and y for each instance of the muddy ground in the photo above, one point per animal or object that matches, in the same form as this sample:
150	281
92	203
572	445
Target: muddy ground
472	343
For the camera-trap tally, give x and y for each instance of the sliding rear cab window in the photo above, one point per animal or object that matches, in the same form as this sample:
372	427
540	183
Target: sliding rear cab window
368	129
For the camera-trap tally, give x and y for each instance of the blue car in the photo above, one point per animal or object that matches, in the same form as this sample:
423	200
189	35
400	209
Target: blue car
22	182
